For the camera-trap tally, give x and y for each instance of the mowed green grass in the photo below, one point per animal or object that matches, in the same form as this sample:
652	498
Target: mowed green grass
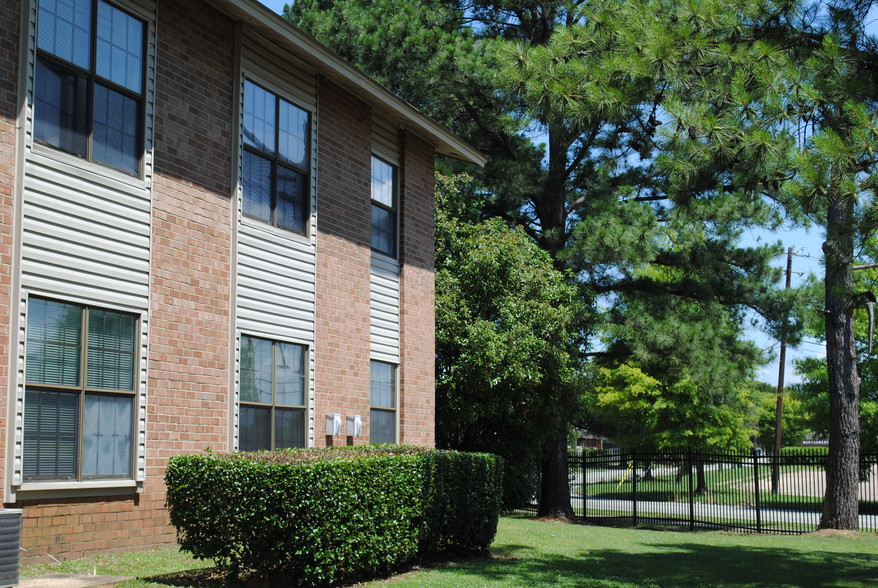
536	553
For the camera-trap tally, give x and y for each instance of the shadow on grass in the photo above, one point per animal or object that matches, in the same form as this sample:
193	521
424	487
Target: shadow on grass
195	578
683	564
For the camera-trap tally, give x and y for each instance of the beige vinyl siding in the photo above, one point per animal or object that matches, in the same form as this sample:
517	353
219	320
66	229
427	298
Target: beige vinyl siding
384	304
385	140
275	268
85	238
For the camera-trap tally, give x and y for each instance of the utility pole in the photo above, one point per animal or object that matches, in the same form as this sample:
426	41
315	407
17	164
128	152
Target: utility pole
778	422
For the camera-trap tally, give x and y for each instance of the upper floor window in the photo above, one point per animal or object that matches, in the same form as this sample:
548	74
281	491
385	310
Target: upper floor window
88	94
383	207
272	394
382	414
81	368
276	159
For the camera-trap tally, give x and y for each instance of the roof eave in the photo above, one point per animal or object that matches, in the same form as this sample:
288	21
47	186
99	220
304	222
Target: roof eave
327	63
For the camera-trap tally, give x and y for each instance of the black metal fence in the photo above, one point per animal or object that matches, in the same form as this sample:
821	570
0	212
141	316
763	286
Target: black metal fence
698	489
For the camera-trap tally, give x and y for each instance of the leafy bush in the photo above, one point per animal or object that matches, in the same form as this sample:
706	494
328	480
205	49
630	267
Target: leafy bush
322	516
816	450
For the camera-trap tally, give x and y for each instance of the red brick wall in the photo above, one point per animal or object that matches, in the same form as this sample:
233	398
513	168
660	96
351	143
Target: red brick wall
189	334
10	42
188	396
417	314
190	301
343	260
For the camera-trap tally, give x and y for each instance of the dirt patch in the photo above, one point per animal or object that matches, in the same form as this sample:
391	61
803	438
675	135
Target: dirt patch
558	520
839	533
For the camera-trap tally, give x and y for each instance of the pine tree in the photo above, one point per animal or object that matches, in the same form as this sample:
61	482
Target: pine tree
609	193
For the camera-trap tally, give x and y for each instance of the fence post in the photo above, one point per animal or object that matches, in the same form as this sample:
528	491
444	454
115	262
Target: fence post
689	465
756	491
634	487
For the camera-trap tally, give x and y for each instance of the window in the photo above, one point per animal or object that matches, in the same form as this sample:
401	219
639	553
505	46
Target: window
272	395
276	156
382	416
79	397
88	94
383	207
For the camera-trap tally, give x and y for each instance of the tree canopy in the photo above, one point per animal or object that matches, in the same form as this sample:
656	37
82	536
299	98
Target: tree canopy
506	333
635	141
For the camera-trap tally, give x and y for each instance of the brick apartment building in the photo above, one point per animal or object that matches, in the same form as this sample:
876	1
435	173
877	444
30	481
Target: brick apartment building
213	234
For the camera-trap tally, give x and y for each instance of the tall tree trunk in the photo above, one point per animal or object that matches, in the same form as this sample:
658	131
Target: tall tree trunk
700	477
554	483
842	468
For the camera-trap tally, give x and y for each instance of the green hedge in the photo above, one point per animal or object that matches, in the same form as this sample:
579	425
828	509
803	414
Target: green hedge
814	450
323	516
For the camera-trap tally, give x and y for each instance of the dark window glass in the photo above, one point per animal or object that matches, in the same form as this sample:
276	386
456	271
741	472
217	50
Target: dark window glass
383	207
383	230
289	428
61	112
119	48
276	159
254	428
111	350
54	343
62	392
293	134
107	129
115	129
256	370
259	118
272	395
291	193
382	416
50	435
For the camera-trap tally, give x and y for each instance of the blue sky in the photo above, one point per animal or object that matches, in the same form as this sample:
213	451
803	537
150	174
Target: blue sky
807	243
276	5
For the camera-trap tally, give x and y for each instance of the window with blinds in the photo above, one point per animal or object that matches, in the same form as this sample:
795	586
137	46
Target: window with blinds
80	370
89	82
276	160
382	414
272	395
383	207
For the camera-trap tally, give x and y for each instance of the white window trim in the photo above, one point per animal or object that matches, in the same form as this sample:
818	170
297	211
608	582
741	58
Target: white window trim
309	384
75	487
93	171
396	401
255	70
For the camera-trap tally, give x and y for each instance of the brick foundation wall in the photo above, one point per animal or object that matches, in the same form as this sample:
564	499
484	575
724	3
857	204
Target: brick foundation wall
343	260
417	290
10	42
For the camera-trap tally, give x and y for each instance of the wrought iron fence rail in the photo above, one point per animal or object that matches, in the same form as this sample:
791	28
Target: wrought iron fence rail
708	489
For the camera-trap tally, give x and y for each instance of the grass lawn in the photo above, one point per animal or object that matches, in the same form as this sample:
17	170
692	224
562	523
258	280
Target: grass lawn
533	553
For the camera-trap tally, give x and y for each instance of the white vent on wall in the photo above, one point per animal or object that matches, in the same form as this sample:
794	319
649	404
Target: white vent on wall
333	424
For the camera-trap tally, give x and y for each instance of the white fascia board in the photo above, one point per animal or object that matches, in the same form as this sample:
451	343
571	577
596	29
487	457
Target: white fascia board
327	63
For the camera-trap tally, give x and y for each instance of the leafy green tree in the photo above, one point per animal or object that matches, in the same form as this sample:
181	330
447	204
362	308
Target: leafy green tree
794	118
595	82
796	419
507	365
813	389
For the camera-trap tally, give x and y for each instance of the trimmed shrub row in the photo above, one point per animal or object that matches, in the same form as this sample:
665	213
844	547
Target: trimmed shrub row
323	516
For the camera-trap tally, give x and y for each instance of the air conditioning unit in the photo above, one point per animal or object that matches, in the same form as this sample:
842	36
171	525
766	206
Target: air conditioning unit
10	544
